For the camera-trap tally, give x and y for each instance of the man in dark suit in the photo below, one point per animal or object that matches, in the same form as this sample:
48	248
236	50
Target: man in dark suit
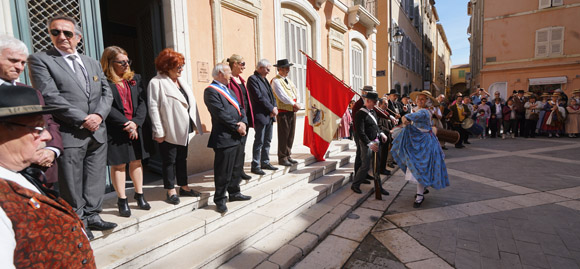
459	112
68	79
396	109
13	58
519	102
265	110
368	134
229	125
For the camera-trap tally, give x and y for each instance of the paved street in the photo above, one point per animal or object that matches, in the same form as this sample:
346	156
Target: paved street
511	204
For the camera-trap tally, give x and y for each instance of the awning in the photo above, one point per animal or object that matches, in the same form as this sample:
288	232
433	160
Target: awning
546	81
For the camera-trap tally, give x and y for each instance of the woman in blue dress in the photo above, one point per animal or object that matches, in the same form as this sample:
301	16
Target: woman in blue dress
417	150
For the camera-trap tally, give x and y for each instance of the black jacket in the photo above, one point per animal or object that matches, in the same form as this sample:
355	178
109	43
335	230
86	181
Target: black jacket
366	128
262	98
224	119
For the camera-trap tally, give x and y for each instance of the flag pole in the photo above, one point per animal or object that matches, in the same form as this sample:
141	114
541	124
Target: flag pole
346	85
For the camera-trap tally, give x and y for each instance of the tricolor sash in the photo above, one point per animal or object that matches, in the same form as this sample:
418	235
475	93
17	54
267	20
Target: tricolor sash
228	96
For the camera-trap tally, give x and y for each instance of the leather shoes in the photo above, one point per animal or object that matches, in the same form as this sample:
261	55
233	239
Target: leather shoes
246	176
258	171
100	225
89	234
221	208
366	181
384	192
239	197
369	177
292	161
284	163
123	206
356	189
173	199
190	193
268	166
386	172
141	202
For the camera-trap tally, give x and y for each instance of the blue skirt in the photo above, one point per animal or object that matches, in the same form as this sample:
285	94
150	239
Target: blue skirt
421	153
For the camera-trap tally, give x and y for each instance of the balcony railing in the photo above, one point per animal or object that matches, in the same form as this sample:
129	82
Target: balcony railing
369	5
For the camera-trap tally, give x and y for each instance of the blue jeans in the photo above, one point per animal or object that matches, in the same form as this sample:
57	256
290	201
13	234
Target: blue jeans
261	147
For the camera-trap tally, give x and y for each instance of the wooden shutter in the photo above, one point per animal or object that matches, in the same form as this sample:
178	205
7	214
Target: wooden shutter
545	3
542	42
556	3
557	41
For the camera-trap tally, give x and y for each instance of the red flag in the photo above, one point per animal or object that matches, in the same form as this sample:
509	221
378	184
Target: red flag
326	101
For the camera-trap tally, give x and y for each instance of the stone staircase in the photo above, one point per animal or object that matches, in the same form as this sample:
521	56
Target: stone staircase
285	203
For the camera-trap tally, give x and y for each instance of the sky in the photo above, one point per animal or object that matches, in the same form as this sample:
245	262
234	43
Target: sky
453	16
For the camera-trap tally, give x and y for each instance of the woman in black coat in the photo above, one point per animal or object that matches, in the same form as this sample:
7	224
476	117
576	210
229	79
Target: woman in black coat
124	126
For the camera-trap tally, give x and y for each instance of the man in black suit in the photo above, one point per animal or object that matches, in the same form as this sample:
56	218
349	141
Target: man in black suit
265	111
396	108
69	79
368	134
229	125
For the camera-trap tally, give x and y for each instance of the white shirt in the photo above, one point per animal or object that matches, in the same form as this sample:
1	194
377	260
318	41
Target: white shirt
69	61
281	94
8	242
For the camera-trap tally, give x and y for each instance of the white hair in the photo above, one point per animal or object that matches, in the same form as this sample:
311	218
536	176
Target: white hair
11	43
263	63
219	68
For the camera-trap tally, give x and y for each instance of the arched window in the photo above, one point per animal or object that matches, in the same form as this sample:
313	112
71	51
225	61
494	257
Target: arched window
357	66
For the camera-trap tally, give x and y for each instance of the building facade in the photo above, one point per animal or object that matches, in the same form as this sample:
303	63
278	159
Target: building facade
459	79
524	45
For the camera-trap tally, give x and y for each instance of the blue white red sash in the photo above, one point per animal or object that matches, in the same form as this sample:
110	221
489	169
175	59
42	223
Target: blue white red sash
228	96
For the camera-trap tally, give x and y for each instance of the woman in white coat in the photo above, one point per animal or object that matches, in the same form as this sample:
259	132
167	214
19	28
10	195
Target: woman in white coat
174	117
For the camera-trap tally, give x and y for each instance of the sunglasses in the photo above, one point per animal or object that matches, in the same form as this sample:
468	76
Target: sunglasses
242	63
67	34
123	63
35	129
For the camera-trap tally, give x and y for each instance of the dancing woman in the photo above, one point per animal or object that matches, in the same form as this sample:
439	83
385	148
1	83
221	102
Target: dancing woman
417	150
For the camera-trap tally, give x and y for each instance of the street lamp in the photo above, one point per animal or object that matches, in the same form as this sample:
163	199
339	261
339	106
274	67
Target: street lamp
396	38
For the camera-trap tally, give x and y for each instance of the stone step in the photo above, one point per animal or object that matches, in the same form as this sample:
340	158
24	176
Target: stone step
129	247
222	244
202	182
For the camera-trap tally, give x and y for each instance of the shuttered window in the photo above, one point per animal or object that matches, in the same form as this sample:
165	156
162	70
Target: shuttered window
549	42
550	3
357	66
296	38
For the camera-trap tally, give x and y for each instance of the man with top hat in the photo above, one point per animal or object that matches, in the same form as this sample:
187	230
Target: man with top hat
38	229
459	112
69	79
368	134
396	109
13	58
287	102
519	102
229	125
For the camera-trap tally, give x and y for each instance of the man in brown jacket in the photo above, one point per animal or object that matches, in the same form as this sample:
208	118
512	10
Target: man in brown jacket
38	229
459	112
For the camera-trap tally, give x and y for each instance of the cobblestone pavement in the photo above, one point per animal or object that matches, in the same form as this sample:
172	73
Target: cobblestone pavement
512	203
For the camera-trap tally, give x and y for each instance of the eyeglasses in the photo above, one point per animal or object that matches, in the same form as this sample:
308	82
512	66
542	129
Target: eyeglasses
242	63
67	34
123	63
35	129
180	67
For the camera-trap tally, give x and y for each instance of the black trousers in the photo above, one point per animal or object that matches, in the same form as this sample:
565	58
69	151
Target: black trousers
530	129
239	165
384	154
520	125
223	167
174	164
357	158
286	128
462	134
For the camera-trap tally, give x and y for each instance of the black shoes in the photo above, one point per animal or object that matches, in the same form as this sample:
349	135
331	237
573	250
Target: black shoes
258	171
240	197
418	204
268	166
284	163
221	208
190	193
390	165
384	192
141	202
365	181
98	224
292	161
89	234
173	199
386	172
246	176
356	189
124	209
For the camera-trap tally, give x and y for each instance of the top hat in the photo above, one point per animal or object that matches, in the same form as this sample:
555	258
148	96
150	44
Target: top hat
404	96
515	91
394	92
372	95
283	63
414	96
19	101
521	91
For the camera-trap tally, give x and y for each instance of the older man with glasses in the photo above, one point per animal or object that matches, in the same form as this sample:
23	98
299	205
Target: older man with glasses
36	226
74	81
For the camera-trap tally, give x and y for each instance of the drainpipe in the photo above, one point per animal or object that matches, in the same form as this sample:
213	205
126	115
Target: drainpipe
391	64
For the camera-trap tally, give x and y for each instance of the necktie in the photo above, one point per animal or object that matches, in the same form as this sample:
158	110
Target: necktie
80	73
286	80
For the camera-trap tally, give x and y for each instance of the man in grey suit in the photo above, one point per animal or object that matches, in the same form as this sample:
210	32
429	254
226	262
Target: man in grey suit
69	79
